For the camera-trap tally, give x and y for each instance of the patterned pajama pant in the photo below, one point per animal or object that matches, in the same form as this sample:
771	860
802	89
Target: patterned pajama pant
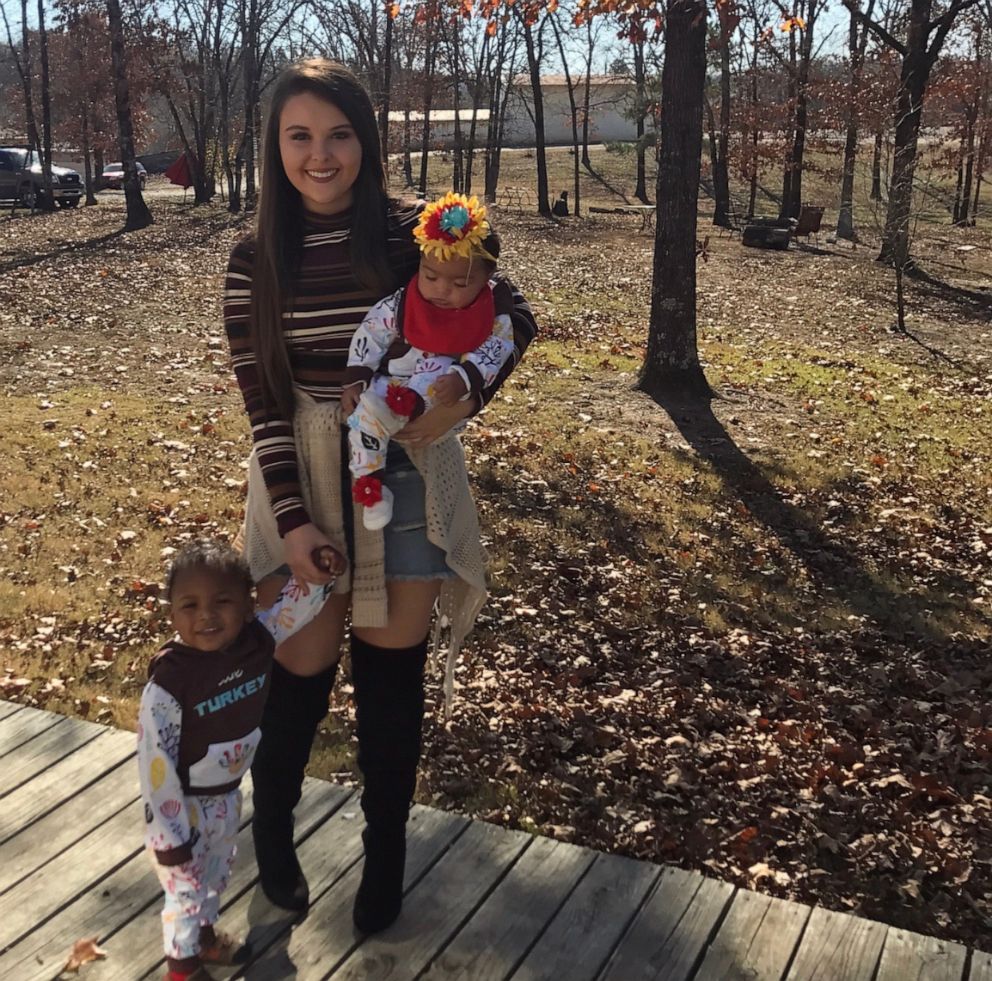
193	890
373	423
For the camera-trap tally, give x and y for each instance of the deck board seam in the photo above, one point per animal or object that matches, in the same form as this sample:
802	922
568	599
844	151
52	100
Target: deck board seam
446	941
406	892
629	925
7	791
67	848
525	953
33	736
712	935
799	942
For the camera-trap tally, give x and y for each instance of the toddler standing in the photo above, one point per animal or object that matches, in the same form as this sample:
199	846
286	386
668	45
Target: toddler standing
198	728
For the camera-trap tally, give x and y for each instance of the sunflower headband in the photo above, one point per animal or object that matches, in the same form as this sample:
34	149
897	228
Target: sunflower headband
454	225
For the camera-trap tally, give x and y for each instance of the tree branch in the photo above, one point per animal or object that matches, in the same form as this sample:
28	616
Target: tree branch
943	25
880	32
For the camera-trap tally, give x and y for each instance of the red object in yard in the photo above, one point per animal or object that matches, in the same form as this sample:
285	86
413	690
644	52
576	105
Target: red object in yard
179	172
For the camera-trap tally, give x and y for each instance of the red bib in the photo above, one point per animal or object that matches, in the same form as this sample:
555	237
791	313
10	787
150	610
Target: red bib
441	331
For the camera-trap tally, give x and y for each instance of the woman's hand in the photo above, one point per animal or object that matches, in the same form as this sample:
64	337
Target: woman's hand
300	545
434	423
349	399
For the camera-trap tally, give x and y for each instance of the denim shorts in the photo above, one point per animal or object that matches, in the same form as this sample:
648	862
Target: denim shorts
408	554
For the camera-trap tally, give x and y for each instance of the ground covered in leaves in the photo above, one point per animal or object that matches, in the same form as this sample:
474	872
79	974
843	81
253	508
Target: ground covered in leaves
748	636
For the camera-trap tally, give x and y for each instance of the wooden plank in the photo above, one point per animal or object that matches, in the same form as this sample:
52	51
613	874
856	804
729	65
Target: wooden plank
515	914
756	940
672	929
981	966
8	709
326	937
136	949
838	947
46	749
583	934
43	840
442	900
61	782
73	872
912	957
24	726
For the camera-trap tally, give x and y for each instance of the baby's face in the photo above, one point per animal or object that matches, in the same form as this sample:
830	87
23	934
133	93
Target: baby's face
209	609
454	284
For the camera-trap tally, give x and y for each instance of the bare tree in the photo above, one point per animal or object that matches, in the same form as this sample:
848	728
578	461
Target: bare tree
924	37
672	359
138	215
857	43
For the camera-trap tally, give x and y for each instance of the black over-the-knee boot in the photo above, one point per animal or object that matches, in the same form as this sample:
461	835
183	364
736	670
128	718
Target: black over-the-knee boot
389	701
293	711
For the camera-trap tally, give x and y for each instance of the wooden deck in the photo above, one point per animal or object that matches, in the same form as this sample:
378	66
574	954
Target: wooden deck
483	903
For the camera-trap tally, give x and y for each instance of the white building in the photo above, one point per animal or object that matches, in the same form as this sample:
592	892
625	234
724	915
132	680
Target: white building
610	97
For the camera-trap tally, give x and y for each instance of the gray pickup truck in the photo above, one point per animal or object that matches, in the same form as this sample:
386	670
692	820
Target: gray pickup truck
21	180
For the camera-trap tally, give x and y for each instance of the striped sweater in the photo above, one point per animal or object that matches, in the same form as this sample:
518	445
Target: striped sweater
327	306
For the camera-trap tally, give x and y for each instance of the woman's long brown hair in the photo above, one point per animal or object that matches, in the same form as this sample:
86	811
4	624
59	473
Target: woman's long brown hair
279	225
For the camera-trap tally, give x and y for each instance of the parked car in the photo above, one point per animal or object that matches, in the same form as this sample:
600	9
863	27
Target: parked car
21	179
113	175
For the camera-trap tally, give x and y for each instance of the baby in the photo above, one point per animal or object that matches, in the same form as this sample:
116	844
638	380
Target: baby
198	728
437	340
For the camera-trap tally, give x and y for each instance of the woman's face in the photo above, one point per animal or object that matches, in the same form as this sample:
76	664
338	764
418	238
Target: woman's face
320	152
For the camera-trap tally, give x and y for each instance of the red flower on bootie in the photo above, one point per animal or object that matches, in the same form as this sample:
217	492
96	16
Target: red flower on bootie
401	400
367	491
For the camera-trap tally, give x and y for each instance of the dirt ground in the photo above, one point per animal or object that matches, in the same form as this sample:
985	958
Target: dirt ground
746	635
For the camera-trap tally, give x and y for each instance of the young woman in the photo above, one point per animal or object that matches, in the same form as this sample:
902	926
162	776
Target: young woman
329	243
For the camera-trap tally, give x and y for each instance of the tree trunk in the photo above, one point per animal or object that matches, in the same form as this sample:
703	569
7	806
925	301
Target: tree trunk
672	360
856	48
84	114
46	109
534	64
969	166
640	90
876	168
914	75
790	138
425	143
249	36
792	202
956	212
586	96
138	215
559	40
387	77
721	164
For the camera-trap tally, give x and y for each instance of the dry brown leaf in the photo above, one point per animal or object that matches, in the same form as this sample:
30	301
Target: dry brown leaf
83	951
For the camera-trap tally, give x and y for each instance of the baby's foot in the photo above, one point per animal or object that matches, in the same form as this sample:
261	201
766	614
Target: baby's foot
379	515
217	947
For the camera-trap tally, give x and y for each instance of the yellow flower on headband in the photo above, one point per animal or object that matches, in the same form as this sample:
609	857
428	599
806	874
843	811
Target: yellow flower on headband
454	225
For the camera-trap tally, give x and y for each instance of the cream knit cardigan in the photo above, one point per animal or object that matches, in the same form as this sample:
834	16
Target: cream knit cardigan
452	525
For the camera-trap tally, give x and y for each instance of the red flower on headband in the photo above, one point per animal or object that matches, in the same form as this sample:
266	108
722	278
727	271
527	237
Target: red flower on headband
367	491
401	400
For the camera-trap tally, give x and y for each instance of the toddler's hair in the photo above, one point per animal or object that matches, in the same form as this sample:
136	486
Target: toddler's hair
211	554
491	244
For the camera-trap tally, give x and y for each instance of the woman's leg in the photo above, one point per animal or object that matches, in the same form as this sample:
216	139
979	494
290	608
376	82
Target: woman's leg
302	677
388	674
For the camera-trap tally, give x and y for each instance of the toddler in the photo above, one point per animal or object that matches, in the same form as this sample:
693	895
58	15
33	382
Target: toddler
437	340
198	728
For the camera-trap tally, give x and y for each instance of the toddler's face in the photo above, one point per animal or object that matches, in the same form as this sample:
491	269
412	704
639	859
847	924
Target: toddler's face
209	609
454	284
